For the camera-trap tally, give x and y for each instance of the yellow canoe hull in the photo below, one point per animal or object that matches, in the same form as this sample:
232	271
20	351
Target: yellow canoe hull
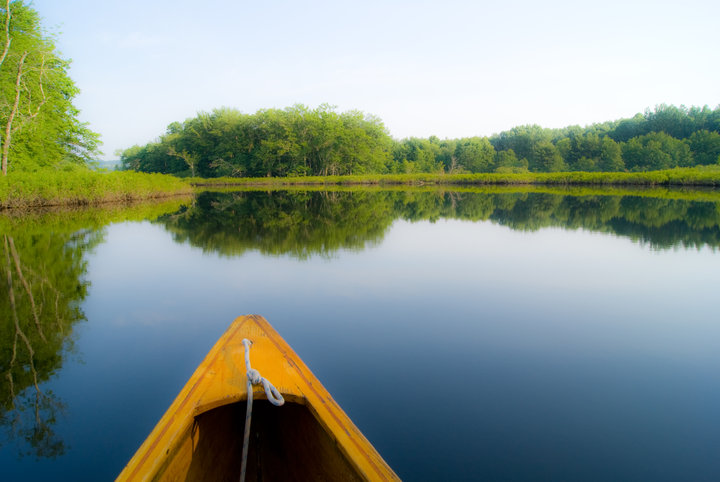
308	438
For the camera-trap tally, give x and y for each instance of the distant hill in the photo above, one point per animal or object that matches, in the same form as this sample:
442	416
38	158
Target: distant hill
109	165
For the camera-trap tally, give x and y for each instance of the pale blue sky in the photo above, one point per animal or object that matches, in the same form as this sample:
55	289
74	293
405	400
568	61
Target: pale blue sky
449	68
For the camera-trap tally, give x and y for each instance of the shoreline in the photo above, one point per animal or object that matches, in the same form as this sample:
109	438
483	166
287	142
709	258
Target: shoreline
86	188
683	177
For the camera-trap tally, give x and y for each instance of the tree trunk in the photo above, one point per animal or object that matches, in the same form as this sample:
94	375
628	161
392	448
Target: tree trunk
8	40
11	117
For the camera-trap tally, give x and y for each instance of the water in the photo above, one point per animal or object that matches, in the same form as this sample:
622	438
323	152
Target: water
470	336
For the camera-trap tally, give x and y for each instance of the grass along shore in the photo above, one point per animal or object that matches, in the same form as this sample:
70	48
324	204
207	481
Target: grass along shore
83	188
688	193
688	177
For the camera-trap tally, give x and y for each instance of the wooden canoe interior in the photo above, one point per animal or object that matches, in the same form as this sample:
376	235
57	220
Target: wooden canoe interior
286	443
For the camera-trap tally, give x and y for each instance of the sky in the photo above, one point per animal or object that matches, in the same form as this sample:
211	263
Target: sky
448	68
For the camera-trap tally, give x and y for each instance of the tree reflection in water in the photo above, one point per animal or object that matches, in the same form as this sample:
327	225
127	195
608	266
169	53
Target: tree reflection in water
44	284
306	223
43	271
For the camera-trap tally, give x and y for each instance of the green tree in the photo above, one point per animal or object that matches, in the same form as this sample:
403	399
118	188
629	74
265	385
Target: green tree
585	164
674	121
447	155
656	150
705	147
38	122
580	149
508	162
271	142
475	154
523	141
626	129
420	155
547	157
610	156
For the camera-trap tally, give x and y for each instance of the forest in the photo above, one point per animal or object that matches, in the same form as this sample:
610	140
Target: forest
299	141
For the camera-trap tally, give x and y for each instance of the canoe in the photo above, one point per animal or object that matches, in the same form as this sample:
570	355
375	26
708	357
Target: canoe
200	437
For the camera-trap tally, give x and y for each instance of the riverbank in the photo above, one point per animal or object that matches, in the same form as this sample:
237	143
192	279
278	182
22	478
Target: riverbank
687	177
688	193
83	188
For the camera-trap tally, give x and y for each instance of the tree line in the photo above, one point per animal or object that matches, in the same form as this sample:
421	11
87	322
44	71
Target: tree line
299	141
291	142
39	126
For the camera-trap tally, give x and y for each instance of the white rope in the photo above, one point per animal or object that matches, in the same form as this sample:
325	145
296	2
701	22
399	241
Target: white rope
273	396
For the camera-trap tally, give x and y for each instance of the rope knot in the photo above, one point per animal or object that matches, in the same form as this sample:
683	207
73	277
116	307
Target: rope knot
254	376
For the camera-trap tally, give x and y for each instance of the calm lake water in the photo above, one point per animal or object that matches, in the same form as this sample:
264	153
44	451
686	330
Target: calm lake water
470	336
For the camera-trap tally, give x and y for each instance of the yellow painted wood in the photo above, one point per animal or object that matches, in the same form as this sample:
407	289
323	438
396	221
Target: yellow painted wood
186	441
